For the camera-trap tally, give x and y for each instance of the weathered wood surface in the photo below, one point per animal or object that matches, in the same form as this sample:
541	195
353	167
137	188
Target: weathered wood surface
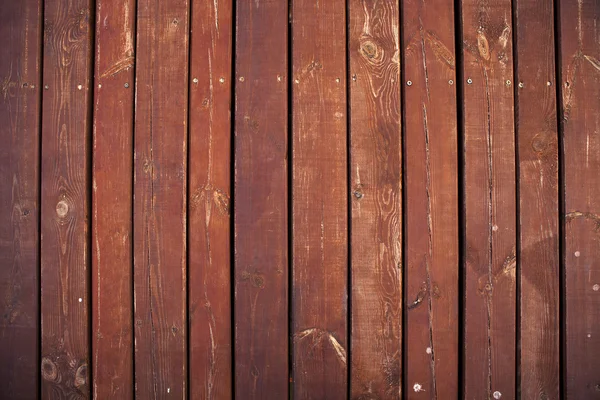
376	186
160	206
175	217
319	201
537	142
209	221
261	201
580	105
431	141
65	203
490	202
20	74
112	201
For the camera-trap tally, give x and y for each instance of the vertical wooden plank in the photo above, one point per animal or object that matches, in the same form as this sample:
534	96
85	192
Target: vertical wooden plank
160	199
261	208
65	200
432	199
21	26
209	202
490	202
580	69
537	142
112	201
376	175
319	200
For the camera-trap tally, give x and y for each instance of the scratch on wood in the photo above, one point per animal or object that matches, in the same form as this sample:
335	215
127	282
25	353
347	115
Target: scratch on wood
318	336
121	65
595	63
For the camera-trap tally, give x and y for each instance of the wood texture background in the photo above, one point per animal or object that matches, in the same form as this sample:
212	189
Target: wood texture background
344	199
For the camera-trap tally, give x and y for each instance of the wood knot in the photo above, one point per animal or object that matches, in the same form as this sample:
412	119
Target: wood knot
483	46
540	142
62	209
255	278
371	51
81	376
49	370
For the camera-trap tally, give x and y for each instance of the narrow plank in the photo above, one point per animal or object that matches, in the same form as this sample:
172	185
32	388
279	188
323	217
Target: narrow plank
21	26
261	207
376	176
490	202
160	199
580	69
209	202
432	199
112	201
319	201
65	205
537	142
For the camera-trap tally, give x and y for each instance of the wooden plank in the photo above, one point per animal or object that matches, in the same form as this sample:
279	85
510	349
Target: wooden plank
20	74
160	199
376	176
319	200
261	207
65	205
432	199
490	202
580	70
112	201
537	142
209	203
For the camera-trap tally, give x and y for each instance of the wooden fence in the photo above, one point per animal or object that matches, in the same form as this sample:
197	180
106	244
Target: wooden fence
320	199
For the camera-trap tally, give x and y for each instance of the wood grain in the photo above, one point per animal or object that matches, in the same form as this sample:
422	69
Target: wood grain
490	201
537	142
261	205
112	201
376	185
20	78
432	199
319	201
210	353
160	206
580	89
65	205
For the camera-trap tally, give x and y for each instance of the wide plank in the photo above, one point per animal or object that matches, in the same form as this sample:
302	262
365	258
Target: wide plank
490	202
112	201
580	102
319	201
261	200
537	142
209	225
376	186
160	199
65	204
21	28
431	168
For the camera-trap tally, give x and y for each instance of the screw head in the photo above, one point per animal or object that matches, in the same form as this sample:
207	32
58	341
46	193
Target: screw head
195	80
451	82
409	83
469	81
242	79
126	85
46	87
521	84
508	83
